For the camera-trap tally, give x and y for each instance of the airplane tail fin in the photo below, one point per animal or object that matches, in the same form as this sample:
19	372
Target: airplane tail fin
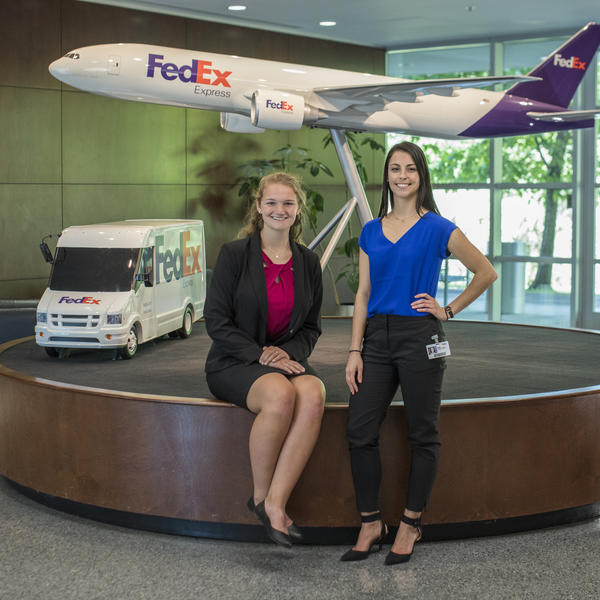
563	70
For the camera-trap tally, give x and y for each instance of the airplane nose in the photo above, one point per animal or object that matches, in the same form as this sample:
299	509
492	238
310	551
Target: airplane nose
59	68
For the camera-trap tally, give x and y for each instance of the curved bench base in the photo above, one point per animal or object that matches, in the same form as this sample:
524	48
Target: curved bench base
312	535
180	464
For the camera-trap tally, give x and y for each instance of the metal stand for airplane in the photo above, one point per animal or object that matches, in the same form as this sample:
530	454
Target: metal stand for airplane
358	198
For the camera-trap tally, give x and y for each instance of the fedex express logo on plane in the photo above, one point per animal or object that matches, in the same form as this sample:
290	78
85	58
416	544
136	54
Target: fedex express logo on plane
569	63
200	71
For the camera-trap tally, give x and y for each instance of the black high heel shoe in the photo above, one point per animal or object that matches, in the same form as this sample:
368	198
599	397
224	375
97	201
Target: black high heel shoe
353	555
280	538
294	533
393	558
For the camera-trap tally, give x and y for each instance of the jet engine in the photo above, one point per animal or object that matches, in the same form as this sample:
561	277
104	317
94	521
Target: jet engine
238	124
272	109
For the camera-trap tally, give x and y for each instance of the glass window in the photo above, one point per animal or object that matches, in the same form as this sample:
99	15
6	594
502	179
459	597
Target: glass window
598	149
597	255
533	221
598	85
451	161
470	210
94	269
543	158
597	228
449	61
526	222
597	291
521	56
546	305
454	278
454	161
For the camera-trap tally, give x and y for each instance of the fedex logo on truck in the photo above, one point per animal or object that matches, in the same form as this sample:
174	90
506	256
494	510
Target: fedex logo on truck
179	262
83	300
283	105
200	71
569	63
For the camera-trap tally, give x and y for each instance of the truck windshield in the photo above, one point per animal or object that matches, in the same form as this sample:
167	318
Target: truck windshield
94	269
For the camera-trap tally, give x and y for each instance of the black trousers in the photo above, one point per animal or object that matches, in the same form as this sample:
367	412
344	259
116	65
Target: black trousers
394	354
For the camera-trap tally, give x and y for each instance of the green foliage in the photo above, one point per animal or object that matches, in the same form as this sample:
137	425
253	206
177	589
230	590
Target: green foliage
350	271
540	158
457	162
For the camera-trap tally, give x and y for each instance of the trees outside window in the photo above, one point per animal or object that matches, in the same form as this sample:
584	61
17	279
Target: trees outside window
525	186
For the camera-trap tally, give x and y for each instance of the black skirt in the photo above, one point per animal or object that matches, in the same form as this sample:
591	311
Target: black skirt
232	384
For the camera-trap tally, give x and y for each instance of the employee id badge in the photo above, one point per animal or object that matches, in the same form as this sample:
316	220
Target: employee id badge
438	350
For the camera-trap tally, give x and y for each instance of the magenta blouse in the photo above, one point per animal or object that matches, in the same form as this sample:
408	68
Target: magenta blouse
280	295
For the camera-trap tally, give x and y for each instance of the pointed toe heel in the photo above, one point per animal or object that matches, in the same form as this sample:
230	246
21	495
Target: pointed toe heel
393	558
354	555
295	533
278	537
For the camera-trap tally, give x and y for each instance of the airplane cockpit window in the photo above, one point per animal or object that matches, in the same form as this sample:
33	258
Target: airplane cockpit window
72	55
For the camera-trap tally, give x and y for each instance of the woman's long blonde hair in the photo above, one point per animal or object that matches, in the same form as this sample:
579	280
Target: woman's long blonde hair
254	221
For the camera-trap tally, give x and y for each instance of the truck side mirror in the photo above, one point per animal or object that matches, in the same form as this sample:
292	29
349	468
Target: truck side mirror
46	253
145	277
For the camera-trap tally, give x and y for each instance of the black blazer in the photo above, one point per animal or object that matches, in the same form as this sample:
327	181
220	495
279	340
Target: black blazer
236	305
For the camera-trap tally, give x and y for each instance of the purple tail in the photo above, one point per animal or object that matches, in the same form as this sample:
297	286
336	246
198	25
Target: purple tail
563	70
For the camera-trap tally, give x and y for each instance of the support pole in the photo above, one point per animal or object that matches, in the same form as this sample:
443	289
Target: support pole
351	174
337	234
323	233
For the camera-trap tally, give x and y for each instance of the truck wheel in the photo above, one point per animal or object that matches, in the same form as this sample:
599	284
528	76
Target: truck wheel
53	352
130	349
188	320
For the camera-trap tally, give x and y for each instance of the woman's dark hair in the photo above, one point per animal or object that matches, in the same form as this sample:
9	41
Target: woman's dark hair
424	195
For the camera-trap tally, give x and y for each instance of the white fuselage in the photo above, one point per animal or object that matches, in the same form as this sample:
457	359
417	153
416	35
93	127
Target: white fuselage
226	83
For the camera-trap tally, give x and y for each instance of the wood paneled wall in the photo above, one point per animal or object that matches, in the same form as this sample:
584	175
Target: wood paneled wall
68	157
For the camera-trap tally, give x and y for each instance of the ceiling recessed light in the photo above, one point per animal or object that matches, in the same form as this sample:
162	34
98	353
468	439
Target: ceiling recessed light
327	23
237	7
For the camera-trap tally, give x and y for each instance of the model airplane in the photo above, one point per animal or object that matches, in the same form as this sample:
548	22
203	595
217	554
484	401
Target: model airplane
253	95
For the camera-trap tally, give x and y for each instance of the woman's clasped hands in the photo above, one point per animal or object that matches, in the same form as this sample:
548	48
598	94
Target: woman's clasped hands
274	356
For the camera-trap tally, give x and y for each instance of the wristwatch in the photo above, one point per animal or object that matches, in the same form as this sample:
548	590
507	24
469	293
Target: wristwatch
449	312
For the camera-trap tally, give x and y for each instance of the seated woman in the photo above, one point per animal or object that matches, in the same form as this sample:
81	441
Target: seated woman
262	313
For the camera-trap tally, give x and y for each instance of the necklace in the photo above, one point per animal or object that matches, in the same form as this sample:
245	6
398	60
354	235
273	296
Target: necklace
275	253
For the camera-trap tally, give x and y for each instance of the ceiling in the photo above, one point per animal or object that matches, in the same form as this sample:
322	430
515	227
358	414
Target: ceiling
389	23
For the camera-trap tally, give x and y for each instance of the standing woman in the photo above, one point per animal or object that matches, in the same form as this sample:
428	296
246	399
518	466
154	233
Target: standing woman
396	317
262	313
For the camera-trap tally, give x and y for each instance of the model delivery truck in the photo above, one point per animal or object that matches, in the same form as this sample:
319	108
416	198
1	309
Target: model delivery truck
117	285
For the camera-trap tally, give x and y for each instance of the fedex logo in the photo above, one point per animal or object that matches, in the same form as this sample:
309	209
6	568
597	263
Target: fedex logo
283	105
569	63
180	262
83	300
200	71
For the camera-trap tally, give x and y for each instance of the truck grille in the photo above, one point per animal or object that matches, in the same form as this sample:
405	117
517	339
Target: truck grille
60	320
82	340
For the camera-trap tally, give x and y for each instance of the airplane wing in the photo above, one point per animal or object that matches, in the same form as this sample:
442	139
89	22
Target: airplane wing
403	90
565	116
